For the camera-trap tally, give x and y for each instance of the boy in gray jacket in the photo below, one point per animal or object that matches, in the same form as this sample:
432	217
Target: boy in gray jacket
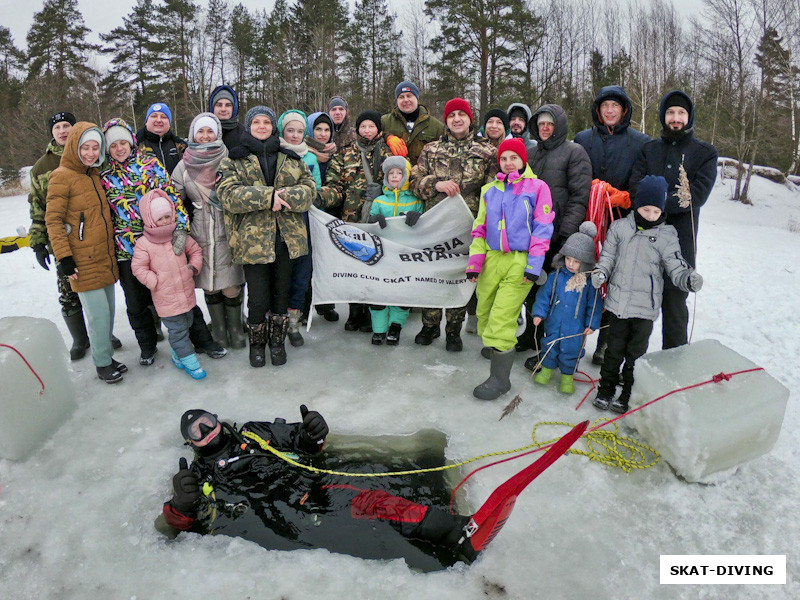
638	251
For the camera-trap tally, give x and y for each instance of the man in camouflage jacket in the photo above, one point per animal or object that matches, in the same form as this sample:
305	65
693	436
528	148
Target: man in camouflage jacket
459	163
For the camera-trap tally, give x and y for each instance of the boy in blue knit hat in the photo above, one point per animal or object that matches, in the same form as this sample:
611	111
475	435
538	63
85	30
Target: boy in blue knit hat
638	251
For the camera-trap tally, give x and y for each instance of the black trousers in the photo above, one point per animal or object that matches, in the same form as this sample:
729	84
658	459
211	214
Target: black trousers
269	285
674	317
627	341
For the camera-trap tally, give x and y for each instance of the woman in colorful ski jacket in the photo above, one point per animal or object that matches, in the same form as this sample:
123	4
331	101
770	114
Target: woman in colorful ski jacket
511	236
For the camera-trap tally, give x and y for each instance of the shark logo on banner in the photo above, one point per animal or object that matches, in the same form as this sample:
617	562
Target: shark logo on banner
423	265
355	243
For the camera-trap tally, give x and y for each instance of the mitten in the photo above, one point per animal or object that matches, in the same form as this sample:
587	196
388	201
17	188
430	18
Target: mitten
695	282
412	217
42	255
379	219
313	426
185	487
67	266
598	279
179	241
472	276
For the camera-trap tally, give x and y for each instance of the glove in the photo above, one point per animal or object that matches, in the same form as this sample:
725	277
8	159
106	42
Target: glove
397	145
179	241
598	279
42	255
187	491
313	426
67	266
373	191
695	283
379	219
472	276
412	217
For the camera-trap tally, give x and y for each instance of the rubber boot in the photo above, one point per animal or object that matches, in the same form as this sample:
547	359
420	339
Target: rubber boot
472	324
258	343
77	329
216	310
567	385
295	338
278	326
544	376
233	319
499	382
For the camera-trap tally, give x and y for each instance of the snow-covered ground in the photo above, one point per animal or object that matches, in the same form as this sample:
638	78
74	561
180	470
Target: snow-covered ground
76	519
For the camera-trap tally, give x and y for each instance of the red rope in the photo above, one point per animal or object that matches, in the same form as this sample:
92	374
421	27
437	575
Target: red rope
41	392
718	378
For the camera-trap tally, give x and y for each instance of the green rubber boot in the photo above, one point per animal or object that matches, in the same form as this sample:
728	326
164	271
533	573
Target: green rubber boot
567	385
544	376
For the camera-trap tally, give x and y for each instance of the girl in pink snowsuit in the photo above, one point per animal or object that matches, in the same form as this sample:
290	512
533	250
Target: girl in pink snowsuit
169	277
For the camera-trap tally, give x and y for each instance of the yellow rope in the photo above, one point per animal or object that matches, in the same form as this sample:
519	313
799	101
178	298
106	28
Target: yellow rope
618	451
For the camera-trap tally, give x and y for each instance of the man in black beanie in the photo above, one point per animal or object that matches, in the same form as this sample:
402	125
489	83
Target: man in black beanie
678	150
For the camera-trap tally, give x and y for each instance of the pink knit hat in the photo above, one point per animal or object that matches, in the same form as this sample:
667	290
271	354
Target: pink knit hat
159	207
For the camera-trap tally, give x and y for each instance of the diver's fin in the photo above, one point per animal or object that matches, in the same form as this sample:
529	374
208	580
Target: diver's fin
490	518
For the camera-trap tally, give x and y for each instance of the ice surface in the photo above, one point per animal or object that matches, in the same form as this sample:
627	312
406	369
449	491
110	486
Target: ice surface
712	428
30	414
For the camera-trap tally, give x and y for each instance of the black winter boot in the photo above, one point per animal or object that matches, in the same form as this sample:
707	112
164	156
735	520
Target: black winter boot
109	374
295	337
426	335
278	326
453	343
393	336
327	312
499	381
216	310
77	329
233	320
355	318
258	343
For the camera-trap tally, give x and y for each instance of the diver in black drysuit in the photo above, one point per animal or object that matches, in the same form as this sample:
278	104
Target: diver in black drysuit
236	487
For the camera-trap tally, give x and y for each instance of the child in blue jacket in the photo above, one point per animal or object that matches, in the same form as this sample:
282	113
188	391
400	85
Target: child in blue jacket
569	306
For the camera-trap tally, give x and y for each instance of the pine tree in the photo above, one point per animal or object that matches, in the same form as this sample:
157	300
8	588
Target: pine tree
217	29
241	47
175	34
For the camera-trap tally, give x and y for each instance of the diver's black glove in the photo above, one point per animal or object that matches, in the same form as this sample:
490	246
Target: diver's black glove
313	426
187	491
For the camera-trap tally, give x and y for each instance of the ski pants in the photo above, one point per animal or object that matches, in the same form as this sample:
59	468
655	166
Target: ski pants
383	316
501	291
627	341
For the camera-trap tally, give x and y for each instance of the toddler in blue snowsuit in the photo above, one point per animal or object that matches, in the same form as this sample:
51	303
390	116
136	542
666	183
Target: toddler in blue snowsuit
569	306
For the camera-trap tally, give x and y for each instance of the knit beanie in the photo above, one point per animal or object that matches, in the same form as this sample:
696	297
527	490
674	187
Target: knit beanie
116	133
160	207
337	101
580	246
516	145
521	111
458	104
288	117
406	86
369	115
62	116
652	192
205	120
223	94
676	99
500	114
159	107
395	162
260	110
94	135
545	117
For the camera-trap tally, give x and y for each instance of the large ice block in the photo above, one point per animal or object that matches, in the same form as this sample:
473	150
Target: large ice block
29	415
712	428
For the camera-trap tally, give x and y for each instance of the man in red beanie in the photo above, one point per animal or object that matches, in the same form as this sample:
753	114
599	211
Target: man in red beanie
459	163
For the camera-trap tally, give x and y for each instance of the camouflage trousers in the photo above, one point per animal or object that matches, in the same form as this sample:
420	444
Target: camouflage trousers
67	298
431	317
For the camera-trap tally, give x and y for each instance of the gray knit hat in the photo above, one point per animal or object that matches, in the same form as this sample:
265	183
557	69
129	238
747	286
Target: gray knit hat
580	245
260	110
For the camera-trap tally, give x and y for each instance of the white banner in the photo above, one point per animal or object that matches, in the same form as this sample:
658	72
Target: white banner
423	265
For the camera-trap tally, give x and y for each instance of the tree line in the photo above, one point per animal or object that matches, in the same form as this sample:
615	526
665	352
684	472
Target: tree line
738	59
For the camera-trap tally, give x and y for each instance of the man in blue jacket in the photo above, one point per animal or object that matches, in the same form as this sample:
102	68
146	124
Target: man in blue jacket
678	150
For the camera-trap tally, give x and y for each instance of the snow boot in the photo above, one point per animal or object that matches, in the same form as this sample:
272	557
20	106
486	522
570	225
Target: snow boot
115	343
216	310
544	376
233	320
258	343
426	335
77	329
618	405
531	362
327	312
148	356
109	374
278	326
603	398
472	324
295	338
498	382
393	337
191	365
378	338
119	366
567	385
453	343
353	322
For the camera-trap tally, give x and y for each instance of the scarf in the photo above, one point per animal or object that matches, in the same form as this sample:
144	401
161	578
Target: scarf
160	233
300	149
266	151
202	161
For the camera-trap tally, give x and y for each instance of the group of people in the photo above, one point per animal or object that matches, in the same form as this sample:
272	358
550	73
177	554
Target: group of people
226	211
